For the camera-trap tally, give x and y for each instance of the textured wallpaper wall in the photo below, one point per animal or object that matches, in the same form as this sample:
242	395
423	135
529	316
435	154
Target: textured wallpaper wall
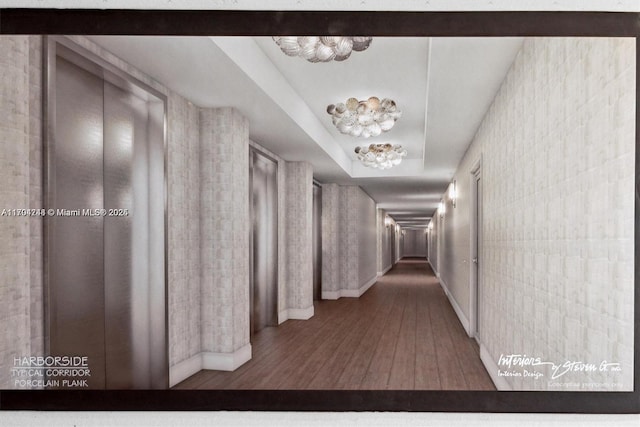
558	151
35	194
569	263
224	243
330	238
15	193
184	229
348	241
299	238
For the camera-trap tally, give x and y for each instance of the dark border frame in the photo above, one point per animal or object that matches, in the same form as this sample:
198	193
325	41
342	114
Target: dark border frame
254	23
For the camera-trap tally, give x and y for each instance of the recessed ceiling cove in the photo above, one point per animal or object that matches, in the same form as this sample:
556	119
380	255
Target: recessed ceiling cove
443	86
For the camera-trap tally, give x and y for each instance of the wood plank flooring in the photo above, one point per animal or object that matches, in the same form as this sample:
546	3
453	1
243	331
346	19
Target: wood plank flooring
402	334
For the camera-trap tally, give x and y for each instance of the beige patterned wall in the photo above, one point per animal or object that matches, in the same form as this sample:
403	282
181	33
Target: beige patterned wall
35	195
348	241
330	238
224	242
184	229
299	238
558	155
15	252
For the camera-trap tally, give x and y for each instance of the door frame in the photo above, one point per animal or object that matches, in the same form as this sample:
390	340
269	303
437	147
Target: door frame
475	250
52	47
317	245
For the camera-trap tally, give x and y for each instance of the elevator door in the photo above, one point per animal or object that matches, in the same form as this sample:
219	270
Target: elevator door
317	242
264	242
105	243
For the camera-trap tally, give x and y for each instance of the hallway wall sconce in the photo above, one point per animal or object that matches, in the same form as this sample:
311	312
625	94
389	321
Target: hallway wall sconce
430	227
453	193
381	156
364	118
441	209
322	49
387	221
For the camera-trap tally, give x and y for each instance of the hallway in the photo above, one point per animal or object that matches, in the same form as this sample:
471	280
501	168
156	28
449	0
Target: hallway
243	196
402	334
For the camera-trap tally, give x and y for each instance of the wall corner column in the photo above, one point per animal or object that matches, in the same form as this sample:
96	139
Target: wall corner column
299	239
224	218
330	241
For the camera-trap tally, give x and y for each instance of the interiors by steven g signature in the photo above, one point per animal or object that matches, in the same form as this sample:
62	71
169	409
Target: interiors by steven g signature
557	369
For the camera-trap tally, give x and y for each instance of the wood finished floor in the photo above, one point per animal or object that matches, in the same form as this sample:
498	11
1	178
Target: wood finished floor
402	334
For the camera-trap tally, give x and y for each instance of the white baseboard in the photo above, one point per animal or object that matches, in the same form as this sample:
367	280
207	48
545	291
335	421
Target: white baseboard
330	294
350	293
492	368
283	316
183	370
382	273
300	313
433	267
364	288
463	319
226	361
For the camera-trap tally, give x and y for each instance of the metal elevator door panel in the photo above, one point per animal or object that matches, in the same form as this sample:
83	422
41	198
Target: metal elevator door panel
264	242
126	256
106	282
317	242
75	255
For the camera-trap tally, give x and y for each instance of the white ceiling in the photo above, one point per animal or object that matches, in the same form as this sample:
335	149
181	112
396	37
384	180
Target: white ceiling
443	86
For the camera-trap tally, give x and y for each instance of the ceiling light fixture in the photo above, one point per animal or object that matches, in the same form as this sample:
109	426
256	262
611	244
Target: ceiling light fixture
381	156
364	118
322	49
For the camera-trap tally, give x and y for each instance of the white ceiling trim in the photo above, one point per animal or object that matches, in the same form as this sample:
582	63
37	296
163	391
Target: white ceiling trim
249	58
408	167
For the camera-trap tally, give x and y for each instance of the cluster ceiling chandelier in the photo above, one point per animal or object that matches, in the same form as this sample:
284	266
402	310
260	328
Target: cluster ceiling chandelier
322	49
381	156
364	118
